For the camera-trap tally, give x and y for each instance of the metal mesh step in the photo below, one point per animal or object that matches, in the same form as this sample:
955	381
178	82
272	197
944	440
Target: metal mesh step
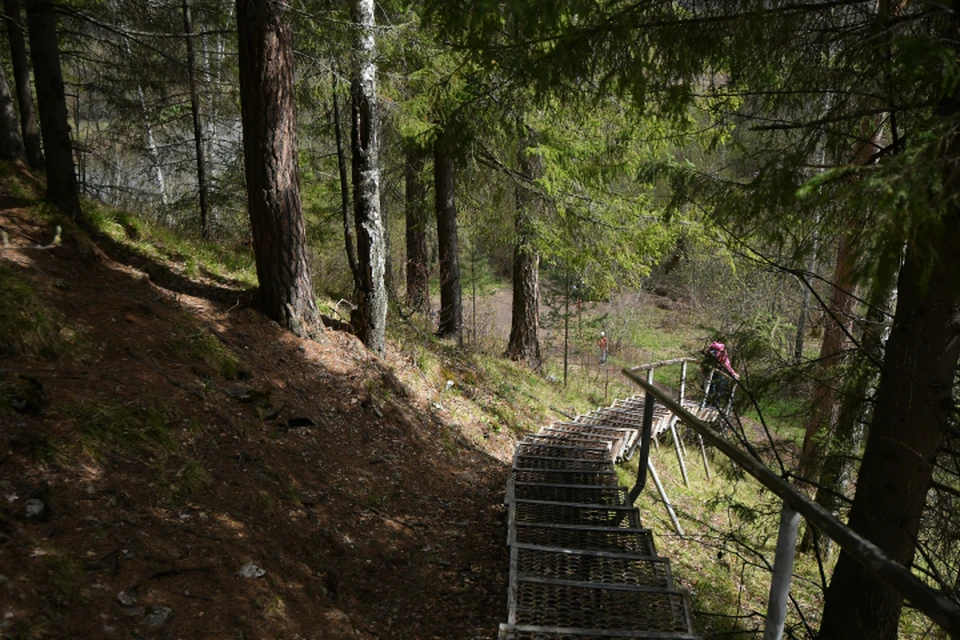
616	496
532	449
575	514
602	477
531	632
568	438
593	566
570	464
547	603
634	540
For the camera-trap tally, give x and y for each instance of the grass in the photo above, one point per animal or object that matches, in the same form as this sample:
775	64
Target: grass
104	428
201	345
730	531
229	264
31	326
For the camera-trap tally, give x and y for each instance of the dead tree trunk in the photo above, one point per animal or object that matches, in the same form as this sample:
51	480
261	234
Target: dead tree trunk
349	237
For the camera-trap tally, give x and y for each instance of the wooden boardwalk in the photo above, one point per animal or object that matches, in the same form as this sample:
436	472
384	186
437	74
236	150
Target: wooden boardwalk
582	566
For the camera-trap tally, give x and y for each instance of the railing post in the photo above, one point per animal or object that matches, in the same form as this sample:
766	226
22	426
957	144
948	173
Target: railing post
644	445
782	573
683	379
656	443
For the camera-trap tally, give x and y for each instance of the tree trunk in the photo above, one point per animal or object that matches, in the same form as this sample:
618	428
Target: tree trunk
62	188
913	409
270	157
822	420
451	304
11	144
151	141
418	259
804	308
371	247
524	341
853	414
349	237
823	415
21	75
197	123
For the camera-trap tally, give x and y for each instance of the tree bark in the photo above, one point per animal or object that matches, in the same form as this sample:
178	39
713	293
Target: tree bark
62	188
197	123
418	259
451	303
270	156
11	144
29	128
524	343
913	409
371	248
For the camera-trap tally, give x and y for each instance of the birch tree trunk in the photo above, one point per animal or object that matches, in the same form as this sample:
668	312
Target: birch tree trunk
371	238
151	141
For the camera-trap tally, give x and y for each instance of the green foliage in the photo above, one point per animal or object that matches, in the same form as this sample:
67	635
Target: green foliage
29	325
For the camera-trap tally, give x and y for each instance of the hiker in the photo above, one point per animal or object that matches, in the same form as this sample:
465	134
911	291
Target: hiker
602	345
719	358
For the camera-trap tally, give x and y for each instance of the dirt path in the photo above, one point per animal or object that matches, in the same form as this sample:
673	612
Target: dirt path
349	500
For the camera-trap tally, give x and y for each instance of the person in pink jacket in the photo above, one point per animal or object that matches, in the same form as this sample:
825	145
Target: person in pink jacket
719	389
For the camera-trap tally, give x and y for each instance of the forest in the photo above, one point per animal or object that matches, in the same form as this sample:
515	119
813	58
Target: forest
784	171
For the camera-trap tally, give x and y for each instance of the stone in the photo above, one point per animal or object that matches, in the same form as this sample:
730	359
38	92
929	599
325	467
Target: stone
250	570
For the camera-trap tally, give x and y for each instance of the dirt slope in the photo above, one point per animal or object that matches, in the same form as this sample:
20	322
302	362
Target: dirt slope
165	476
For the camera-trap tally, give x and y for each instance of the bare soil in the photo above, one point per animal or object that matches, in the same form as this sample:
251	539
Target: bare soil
353	502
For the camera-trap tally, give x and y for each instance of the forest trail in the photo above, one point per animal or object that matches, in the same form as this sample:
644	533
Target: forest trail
302	492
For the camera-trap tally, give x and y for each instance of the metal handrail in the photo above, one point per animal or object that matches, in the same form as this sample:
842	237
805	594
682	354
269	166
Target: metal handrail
942	611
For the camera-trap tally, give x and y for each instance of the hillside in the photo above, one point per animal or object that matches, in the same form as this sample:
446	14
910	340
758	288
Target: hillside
179	467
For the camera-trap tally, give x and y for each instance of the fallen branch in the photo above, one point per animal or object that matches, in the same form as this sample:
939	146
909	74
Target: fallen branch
5	239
